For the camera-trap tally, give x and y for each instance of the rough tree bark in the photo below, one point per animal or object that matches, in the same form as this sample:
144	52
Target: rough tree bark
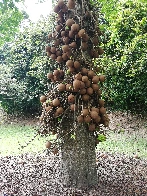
78	159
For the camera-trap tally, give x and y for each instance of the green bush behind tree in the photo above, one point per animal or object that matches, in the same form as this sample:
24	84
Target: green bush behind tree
23	67
125	59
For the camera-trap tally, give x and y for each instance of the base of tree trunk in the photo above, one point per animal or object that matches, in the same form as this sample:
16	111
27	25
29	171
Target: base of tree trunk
78	159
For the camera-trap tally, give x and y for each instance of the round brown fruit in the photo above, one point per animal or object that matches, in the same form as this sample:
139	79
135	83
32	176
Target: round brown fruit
61	73
95	109
65	40
73	107
59	59
60	14
69	63
100	51
85	97
75	27
96	54
88	83
69	53
85	37
58	53
73	45
61	3
65	48
78	76
92	127
85	112
54	34
53	49
60	19
99	92
95	41
60	110
101	102
102	110
71	4
84	78
93	114
64	9
69	22
76	84
80	119
81	33
43	98
69	87
57	42
49	53
84	71
91	74
82	85
83	91
71	98
48	48
48	144
102	78
58	28
65	57
56	9
56	102
89	91
71	34
63	33
95	79
95	87
71	69
49	75
56	72
53	56
87	119
77	65
61	87
98	119
106	123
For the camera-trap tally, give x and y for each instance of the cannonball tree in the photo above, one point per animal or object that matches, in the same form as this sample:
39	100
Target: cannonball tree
73	108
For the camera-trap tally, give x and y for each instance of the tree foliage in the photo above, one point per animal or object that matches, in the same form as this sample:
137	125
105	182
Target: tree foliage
125	64
11	18
23	68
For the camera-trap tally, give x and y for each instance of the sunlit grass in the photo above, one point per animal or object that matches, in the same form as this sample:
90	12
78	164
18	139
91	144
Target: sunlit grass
125	143
13	136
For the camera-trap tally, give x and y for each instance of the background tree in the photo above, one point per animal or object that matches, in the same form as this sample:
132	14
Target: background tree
11	18
73	107
125	61
23	67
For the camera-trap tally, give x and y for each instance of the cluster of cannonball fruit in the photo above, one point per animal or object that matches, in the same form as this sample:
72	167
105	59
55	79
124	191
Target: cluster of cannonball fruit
72	47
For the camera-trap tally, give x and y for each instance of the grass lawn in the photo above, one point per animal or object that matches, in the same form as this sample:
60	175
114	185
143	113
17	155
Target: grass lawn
14	136
126	143
11	135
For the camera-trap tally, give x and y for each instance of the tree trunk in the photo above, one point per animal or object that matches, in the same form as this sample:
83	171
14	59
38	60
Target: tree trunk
78	159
